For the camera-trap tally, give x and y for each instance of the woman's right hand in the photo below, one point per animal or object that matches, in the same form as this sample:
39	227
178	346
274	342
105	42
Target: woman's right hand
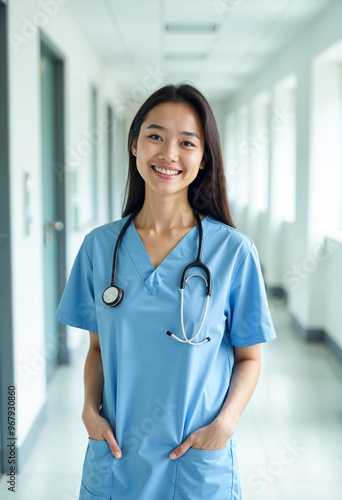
99	429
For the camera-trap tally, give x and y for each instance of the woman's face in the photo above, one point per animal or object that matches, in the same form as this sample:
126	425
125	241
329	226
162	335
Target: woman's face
171	139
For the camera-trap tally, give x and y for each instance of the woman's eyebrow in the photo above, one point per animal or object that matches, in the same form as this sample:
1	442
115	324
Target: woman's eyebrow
184	132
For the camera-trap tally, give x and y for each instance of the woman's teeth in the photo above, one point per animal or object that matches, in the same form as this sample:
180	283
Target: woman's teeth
166	172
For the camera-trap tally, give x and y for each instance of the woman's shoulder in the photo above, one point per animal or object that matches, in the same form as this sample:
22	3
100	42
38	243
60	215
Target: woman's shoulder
105	231
223	232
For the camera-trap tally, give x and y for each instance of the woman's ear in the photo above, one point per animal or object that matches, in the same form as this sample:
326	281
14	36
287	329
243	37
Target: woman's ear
203	162
134	148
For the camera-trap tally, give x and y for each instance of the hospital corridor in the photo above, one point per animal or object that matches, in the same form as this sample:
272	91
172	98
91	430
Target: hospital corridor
219	123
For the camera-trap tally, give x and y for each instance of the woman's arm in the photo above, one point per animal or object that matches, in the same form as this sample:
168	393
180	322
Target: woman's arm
244	378
98	428
245	375
93	376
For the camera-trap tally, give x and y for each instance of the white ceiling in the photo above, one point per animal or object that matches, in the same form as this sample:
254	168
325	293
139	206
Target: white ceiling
132	35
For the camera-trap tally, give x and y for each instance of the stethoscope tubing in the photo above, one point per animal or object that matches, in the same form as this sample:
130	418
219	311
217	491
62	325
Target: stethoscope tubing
116	250
113	295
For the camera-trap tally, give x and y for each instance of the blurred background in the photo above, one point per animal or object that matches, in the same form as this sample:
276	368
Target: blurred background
73	74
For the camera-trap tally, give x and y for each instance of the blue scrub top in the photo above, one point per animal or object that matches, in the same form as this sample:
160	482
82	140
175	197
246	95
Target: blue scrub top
158	391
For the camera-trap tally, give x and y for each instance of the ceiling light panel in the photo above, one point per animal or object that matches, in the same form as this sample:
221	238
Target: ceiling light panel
184	56
189	28
186	43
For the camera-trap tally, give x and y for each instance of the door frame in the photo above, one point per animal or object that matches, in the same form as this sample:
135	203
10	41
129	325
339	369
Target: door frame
48	48
6	314
109	159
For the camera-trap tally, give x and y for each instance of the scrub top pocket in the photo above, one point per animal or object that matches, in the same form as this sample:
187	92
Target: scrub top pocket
205	474
97	477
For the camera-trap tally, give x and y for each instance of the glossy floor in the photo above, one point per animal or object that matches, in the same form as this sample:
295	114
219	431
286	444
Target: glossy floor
289	437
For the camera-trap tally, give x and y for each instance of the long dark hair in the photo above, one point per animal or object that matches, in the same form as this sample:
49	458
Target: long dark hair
207	194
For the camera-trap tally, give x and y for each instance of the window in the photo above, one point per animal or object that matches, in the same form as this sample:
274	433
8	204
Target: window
283	128
230	155
242	174
260	144
326	140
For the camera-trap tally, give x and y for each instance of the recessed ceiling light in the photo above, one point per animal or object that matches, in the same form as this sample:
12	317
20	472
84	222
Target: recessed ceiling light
181	56
191	27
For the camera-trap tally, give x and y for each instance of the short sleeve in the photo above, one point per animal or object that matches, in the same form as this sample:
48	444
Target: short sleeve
77	305
249	320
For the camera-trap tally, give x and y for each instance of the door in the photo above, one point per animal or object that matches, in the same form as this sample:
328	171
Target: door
6	324
110	161
53	205
94	154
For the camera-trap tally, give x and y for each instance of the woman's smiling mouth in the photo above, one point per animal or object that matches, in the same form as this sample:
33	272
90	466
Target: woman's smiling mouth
165	172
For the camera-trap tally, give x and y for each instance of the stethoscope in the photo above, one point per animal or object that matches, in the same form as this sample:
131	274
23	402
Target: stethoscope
114	295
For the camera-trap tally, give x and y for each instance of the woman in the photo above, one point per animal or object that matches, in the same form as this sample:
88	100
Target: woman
160	412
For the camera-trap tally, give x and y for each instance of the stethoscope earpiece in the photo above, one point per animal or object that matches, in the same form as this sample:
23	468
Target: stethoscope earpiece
113	296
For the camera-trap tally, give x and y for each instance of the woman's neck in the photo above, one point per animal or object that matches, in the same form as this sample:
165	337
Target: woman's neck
164	216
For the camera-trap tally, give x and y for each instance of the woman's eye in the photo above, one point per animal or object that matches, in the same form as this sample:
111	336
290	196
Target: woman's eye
157	137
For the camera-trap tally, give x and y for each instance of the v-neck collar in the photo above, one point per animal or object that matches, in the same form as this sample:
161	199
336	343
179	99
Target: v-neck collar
154	278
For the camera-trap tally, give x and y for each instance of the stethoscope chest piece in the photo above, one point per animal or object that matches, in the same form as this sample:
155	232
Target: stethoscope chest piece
113	296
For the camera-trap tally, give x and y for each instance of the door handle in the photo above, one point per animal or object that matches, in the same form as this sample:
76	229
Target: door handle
56	225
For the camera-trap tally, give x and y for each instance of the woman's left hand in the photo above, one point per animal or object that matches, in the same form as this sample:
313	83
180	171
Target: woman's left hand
212	437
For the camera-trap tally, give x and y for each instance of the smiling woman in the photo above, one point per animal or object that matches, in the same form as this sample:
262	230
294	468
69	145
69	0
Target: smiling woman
160	414
176	125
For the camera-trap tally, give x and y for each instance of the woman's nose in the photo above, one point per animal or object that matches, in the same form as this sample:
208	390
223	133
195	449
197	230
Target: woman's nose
169	151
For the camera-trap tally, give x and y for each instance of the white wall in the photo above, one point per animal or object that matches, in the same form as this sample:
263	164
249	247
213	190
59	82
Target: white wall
297	242
83	67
